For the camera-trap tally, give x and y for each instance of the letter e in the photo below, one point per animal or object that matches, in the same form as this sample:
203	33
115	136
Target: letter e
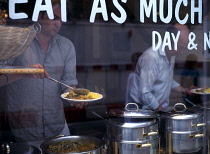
12	13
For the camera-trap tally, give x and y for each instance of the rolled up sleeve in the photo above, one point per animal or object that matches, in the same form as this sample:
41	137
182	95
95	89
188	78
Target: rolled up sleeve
174	84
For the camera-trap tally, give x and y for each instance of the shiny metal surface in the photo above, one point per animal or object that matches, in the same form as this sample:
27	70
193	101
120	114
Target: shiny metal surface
186	143
134	134
133	131
180	125
133	147
182	130
182	120
178	142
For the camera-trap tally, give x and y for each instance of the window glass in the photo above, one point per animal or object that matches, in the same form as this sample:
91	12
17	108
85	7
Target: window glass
134	55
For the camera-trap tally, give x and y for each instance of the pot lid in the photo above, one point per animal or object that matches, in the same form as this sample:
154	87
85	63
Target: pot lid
180	112
132	111
131	123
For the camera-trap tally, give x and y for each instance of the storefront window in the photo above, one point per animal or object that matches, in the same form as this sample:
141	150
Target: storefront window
136	57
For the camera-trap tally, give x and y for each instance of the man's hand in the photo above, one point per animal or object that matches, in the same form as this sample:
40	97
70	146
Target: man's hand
79	105
188	90
38	76
158	108
185	91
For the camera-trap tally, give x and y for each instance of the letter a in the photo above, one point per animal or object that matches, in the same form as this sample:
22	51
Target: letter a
39	7
96	9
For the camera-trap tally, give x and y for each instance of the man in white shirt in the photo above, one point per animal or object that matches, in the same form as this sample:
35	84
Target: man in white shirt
153	79
134	59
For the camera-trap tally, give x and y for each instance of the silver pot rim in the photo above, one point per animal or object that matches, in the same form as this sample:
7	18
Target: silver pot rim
135	142
138	124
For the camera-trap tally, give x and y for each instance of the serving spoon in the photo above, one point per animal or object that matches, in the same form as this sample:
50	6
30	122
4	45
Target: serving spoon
78	91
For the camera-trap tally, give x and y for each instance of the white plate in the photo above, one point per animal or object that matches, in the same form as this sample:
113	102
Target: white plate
200	93
97	95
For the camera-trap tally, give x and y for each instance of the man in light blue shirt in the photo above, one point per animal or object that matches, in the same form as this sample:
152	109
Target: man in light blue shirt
153	78
35	108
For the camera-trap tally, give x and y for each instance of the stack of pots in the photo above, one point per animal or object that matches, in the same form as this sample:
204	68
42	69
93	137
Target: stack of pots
182	130
132	131
206	112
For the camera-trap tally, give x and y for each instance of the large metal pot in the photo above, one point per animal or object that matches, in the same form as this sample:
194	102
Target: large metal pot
132	131
133	147
121	129
73	145
182	130
206	112
181	119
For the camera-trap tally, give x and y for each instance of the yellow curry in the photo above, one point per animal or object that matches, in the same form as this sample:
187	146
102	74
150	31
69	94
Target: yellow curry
202	90
89	96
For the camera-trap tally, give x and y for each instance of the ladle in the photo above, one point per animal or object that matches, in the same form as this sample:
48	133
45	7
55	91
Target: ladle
78	91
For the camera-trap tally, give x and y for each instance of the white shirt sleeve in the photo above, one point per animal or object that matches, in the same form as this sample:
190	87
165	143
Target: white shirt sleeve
174	84
145	77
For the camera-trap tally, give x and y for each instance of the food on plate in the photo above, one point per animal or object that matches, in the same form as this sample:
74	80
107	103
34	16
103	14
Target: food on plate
207	90
89	96
81	91
71	146
202	90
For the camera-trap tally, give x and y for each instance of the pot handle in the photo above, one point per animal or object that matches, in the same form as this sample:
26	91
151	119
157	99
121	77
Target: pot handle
180	104
144	145
196	135
149	134
5	147
126	107
54	137
199	125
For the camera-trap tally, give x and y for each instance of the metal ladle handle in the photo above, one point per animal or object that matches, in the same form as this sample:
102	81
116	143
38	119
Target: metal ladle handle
60	82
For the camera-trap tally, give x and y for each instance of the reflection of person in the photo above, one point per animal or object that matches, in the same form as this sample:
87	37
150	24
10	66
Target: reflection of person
34	104
134	59
153	79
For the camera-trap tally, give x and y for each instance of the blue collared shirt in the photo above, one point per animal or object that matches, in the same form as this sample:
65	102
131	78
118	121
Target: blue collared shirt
153	79
34	105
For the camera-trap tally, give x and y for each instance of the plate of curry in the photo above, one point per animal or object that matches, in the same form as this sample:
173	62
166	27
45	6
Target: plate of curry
201	91
90	97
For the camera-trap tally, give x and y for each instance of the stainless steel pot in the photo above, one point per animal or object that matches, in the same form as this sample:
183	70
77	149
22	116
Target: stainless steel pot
132	130
182	130
181	119
121	129
206	112
133	147
73	145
